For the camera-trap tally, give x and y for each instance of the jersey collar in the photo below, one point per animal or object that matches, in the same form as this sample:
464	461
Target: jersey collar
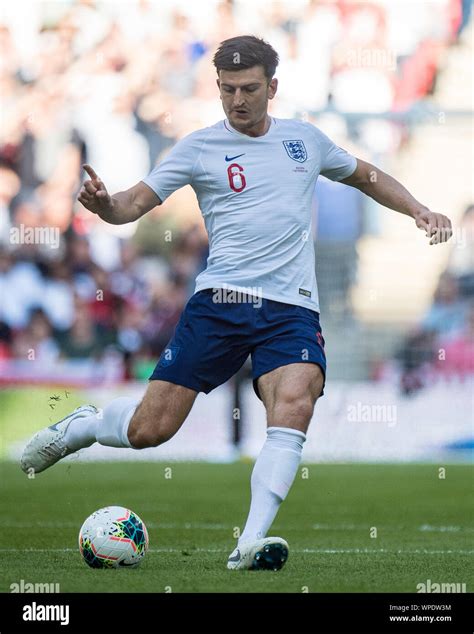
246	136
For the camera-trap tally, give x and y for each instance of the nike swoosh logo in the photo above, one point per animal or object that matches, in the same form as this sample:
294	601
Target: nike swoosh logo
232	158
235	557
55	426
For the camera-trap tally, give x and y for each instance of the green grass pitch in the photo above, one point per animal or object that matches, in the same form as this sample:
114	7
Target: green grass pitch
351	528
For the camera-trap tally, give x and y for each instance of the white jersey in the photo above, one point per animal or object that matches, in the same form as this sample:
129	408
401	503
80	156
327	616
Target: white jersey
255	197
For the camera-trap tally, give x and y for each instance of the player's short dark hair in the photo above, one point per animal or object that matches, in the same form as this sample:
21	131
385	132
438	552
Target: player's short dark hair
246	51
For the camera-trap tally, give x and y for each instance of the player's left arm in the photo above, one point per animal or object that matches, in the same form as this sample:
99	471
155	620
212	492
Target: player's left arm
387	191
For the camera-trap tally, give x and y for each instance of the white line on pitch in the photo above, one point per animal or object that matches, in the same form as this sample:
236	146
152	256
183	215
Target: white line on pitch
363	551
161	525
207	526
329	551
424	528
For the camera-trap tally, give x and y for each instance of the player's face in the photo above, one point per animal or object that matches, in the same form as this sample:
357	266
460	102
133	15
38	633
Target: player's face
245	94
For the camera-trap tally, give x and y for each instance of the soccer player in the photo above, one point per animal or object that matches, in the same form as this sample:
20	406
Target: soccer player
254	177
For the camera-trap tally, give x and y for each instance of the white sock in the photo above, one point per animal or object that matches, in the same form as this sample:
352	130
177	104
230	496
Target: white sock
109	427
272	477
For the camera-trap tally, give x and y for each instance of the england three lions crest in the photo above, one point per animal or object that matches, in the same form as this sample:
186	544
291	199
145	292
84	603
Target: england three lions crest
296	150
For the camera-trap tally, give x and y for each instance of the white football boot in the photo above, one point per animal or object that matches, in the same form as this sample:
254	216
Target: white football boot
47	446
269	553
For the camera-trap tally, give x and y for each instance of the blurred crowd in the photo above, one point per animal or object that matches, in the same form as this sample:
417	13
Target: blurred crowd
69	307
116	84
443	342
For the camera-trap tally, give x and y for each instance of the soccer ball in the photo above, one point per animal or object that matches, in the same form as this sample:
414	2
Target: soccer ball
113	537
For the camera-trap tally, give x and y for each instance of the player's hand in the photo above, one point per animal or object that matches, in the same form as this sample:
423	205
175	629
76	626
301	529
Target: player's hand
436	226
93	195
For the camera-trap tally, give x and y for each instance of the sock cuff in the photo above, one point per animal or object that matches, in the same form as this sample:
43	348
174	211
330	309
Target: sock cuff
285	431
112	430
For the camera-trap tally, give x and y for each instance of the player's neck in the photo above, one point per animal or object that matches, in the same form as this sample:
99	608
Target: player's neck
259	129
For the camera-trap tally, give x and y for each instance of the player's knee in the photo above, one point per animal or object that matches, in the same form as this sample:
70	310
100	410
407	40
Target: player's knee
143	433
302	408
298	409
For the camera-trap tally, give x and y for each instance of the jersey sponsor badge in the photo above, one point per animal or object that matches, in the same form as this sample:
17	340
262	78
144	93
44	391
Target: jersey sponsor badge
296	150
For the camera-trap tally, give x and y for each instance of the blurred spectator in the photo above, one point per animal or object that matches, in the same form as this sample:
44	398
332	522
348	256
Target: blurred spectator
162	317
36	342
443	332
416	357
447	314
9	188
58	295
20	290
461	261
456	356
339	222
84	340
362	62
6	340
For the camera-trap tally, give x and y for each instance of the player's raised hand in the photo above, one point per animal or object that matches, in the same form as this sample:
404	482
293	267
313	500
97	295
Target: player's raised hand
94	195
436	226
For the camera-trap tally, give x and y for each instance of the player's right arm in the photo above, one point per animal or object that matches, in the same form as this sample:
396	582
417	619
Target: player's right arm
120	208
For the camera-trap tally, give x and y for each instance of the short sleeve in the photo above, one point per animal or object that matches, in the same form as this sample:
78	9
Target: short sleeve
336	163
176	169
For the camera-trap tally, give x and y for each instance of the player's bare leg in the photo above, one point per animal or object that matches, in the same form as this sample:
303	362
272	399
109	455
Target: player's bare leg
124	422
161	413
289	394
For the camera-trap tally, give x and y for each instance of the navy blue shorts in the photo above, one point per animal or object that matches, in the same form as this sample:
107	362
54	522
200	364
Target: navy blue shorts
214	338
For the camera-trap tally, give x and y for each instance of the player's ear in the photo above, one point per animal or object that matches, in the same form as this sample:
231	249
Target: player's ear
272	88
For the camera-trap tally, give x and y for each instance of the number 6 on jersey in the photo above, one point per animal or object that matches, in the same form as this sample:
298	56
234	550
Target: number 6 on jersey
236	178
